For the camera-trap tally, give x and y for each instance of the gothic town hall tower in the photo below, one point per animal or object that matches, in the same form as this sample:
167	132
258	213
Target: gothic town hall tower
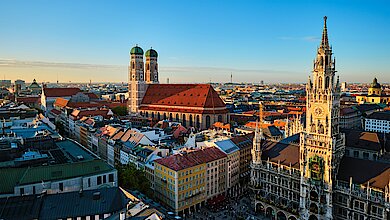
321	144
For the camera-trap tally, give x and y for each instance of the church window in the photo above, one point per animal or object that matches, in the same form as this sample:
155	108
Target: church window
326	60
320	82
184	120
321	129
207	121
165	116
314	196
152	114
326	82
177	117
158	116
191	121
147	114
197	121
170	117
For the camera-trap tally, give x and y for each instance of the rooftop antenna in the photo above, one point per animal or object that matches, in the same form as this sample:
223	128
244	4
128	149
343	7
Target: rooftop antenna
231	78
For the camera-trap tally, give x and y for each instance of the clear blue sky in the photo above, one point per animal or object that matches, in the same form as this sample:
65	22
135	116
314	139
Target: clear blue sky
197	41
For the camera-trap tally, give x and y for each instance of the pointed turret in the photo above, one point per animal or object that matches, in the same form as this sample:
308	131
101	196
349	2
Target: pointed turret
257	139
324	40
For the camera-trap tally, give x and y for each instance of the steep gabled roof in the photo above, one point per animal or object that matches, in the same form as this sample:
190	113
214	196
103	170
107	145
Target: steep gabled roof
60	92
279	152
171	96
364	171
362	139
183	161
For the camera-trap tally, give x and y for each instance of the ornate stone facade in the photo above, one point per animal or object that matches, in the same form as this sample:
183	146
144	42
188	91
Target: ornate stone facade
306	175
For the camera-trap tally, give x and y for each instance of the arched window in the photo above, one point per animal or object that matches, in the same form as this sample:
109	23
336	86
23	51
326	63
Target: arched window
165	116
327	82
184	120
219	118
320	82
170	117
207	121
314	196
177	117
147	114
152	114
158	116
197	122
191	121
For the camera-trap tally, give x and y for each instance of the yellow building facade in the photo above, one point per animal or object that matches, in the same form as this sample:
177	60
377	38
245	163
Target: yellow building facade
375	94
182	190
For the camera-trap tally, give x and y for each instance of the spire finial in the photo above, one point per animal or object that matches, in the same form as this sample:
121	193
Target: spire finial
324	41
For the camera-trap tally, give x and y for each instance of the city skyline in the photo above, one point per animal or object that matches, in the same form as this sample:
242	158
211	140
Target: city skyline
196	42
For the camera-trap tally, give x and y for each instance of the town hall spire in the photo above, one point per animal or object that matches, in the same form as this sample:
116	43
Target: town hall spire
324	40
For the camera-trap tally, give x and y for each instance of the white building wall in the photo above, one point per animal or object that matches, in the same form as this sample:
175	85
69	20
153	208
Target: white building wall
375	125
110	154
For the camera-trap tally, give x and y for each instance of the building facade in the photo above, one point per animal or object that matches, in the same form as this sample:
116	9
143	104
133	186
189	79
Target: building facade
307	175
186	182
378	122
375	94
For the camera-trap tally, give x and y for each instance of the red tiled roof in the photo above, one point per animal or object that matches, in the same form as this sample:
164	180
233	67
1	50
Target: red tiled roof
91	95
167	97
183	161
29	100
84	112
60	102
60	92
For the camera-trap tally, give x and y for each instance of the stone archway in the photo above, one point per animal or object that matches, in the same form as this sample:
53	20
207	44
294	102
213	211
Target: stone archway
313	208
260	208
314	196
281	216
270	213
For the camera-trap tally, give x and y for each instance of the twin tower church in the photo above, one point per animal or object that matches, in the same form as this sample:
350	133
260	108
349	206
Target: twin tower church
193	105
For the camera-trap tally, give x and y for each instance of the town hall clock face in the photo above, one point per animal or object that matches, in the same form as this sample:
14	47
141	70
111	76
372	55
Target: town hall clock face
318	111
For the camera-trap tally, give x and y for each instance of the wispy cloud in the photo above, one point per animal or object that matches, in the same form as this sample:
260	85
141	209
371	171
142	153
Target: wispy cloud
30	64
306	38
311	38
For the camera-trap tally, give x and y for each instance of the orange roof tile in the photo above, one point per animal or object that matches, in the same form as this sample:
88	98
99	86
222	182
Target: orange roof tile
170	96
60	102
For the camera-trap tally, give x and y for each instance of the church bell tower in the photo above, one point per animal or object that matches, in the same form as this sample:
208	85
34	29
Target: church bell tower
321	144
151	67
137	86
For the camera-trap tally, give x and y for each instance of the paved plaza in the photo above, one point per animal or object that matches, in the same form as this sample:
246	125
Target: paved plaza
235	209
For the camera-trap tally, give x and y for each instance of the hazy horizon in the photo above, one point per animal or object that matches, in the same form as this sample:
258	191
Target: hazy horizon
199	41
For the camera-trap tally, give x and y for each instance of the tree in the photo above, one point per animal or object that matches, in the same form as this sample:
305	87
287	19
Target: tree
130	177
120	110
